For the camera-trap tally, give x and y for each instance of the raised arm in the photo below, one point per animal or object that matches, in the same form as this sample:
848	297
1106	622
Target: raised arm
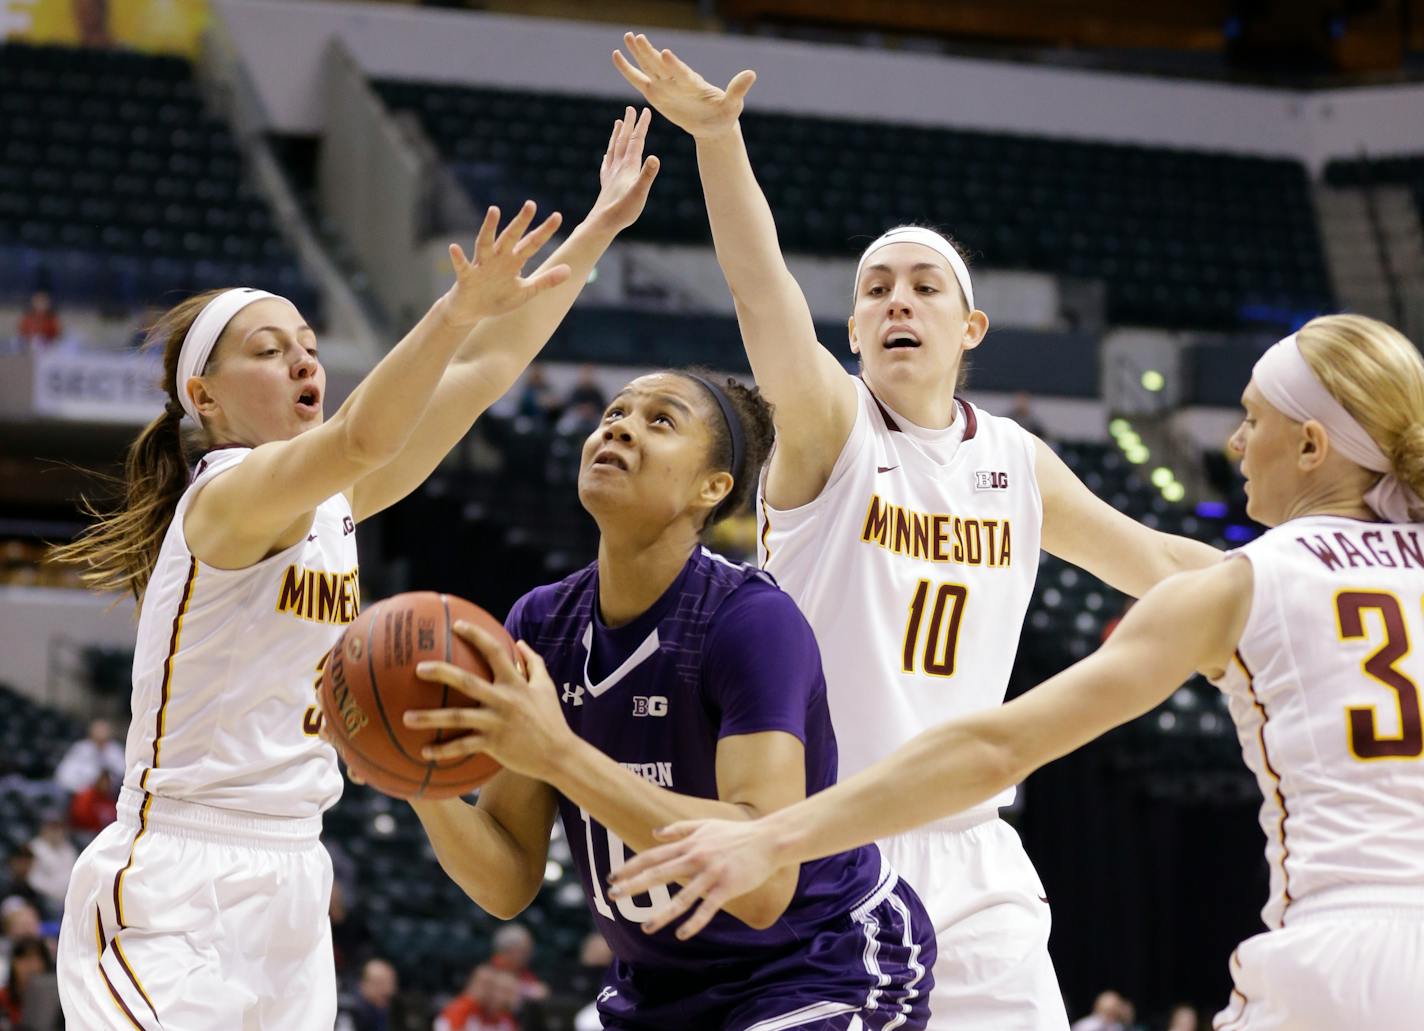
490	360
267	502
1081	528
1190	622
814	398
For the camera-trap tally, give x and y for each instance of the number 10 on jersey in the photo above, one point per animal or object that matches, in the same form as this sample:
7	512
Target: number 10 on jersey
945	603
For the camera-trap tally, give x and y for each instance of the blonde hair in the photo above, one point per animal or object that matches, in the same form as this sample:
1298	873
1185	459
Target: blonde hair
121	546
1378	375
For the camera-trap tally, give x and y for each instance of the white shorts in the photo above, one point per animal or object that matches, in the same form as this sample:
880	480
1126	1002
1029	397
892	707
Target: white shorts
991	921
1336	964
183	917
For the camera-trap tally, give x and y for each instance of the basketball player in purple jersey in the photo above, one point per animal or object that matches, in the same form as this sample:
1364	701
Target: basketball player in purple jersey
665	682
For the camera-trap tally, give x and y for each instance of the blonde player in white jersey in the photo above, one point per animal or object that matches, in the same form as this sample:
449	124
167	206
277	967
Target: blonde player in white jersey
204	908
907	525
1307	629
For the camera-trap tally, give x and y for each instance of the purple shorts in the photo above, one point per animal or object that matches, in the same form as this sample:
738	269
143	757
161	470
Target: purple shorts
872	969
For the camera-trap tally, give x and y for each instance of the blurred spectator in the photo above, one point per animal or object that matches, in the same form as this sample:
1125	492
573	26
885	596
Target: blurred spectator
1184	1018
54	859
94	808
586	391
350	936
82	762
580	418
39	325
372	1009
15	881
587	980
537	401
1112	624
30	1000
1022	413
19	919
487	1003
513	950
1111	1012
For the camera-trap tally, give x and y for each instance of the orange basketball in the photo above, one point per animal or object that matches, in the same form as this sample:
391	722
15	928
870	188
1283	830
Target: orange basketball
369	681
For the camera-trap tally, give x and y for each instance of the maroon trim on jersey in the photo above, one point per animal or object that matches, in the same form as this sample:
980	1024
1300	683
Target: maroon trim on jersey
159	727
216	447
1271	769
971	422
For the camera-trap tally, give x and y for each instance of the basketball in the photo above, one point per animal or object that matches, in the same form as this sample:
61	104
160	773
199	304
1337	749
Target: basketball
368	682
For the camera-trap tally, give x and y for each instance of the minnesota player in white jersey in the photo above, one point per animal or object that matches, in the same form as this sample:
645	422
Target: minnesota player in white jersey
205	905
1307	629
907	525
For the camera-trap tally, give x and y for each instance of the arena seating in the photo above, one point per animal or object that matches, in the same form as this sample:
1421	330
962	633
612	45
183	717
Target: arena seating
1187	238
117	188
1395	170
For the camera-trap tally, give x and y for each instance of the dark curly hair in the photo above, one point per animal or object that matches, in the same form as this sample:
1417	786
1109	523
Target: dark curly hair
758	433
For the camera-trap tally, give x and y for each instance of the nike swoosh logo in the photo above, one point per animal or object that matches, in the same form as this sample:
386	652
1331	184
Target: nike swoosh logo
311	537
1043	898
886	468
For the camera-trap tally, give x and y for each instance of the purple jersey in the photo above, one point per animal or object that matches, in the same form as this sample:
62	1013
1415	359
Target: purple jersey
724	651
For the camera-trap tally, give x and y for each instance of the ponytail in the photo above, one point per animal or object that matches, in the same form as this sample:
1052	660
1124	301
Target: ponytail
120	547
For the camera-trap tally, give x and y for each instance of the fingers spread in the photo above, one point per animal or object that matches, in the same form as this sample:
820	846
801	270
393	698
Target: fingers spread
670	911
516	227
525	248
711	905
461	680
485	238
547	279
533	661
635	76
489	646
741	82
470	744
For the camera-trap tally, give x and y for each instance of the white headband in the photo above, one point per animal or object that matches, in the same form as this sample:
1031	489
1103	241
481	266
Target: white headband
926	238
1288	383
203	337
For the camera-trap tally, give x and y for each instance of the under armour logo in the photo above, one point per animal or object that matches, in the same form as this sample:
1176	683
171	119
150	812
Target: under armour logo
653	705
573	693
991	480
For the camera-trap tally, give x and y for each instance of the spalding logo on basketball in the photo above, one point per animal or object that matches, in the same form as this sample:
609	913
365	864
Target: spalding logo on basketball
369	683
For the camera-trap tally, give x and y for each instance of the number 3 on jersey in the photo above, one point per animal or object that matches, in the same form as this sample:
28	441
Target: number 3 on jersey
946	603
1366	742
628	908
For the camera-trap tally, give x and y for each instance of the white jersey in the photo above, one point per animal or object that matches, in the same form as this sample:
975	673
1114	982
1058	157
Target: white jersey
1325	693
226	663
914	566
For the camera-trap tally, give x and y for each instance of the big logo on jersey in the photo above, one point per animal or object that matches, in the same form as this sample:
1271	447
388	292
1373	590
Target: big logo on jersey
320	597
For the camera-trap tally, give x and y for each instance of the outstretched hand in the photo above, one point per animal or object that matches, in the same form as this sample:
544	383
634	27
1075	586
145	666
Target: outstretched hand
714	860
681	95
489	283
625	176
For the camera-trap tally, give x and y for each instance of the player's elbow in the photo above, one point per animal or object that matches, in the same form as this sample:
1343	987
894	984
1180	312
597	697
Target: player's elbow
367	446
